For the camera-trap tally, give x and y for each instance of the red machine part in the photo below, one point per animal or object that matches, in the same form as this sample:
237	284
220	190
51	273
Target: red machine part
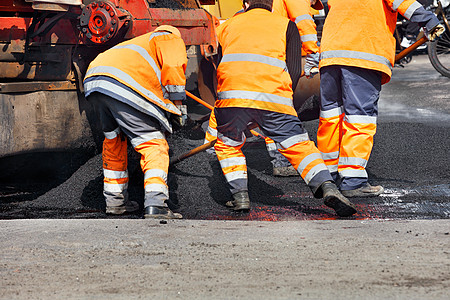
101	20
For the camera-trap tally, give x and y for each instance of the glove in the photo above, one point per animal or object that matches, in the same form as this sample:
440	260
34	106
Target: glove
180	121
312	64
434	33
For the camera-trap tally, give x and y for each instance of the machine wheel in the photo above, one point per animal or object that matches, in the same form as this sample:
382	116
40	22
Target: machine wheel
439	54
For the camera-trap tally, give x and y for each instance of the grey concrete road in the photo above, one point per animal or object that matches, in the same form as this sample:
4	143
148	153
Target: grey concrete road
396	247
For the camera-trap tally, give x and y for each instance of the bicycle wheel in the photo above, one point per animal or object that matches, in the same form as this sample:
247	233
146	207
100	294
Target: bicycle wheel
439	54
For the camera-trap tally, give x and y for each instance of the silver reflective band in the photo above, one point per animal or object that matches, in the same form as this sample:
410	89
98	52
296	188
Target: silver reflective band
158	33
115	187
155	173
130	98
146	137
232	161
332	168
112	134
299	138
332	113
230	142
236	175
115	174
353	173
212	131
144	55
360	119
314	171
330	155
155	187
258	96
175	88
133	83
308	38
307	160
396	4
357	55
271	147
352	161
411	9
254	58
302	18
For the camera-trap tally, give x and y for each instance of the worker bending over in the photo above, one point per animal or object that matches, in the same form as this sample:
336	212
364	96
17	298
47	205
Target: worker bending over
255	86
357	57
136	87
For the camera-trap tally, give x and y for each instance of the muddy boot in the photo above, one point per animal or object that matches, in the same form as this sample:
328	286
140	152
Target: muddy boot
335	200
159	212
241	202
127	207
364	191
285	171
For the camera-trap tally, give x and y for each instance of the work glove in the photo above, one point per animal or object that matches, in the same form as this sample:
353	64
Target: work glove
312	64
434	33
180	121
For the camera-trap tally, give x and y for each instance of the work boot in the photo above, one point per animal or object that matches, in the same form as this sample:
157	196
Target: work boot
127	207
334	199
285	171
160	212
240	201
364	191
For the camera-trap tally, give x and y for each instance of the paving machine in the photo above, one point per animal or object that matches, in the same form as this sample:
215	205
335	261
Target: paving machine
46	47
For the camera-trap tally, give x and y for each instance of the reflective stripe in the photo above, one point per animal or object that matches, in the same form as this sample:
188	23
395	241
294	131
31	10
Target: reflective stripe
145	55
146	137
230	142
212	131
126	96
236	175
115	174
303	17
133	83
155	173
331	113
314	171
360	119
258	96
294	140
396	4
330	155
308	38
156	187
254	58
307	160
411	9
175	88
352	161
357	55
353	173
232	161
112	134
115	187
271	147
332	168
158	33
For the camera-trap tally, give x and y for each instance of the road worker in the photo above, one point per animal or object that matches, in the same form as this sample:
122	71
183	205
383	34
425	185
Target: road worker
255	87
298	11
137	88
357	56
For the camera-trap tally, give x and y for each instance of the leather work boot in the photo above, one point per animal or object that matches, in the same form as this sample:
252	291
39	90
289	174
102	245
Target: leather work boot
335	200
240	201
127	207
364	191
285	171
159	212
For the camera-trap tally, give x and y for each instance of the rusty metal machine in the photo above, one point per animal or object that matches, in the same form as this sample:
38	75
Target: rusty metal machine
46	46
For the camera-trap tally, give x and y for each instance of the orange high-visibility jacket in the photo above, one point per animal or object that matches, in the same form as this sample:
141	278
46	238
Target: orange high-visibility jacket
299	12
253	71
153	65
360	33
